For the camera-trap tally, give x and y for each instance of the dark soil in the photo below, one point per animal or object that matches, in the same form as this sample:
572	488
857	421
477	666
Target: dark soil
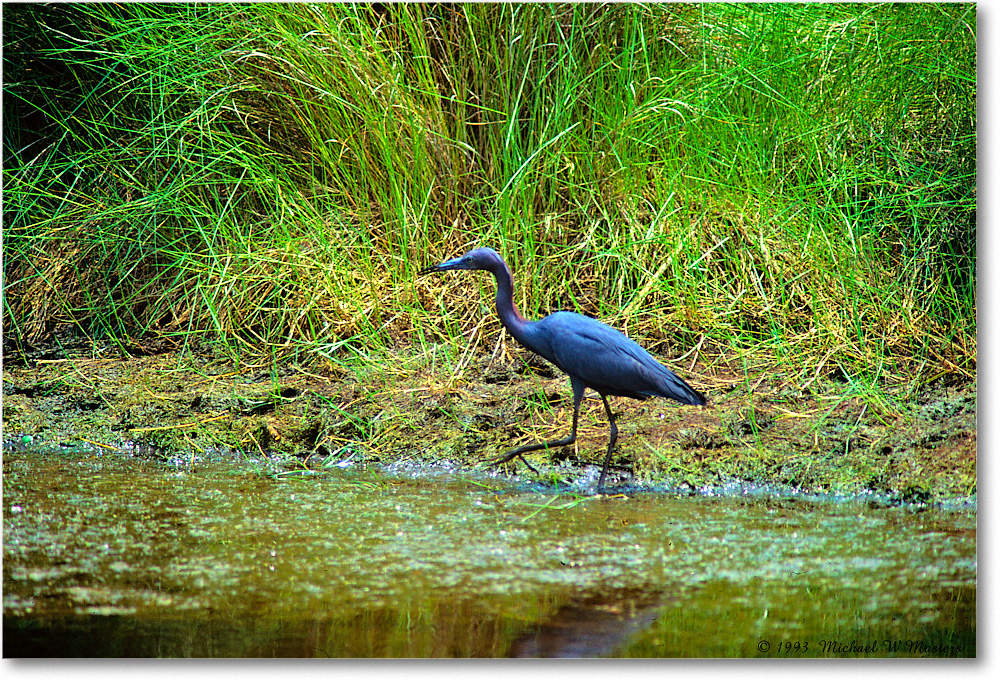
818	439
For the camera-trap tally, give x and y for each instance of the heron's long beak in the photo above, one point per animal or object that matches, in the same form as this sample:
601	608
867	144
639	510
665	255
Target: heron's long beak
453	264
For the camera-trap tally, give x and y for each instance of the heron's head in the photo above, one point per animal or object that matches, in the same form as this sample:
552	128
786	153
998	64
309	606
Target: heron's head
477	259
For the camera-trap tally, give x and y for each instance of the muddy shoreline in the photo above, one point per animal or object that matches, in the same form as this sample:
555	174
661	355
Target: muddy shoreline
298	418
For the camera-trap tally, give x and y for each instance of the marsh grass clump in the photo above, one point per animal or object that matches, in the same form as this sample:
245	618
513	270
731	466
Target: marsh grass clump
786	187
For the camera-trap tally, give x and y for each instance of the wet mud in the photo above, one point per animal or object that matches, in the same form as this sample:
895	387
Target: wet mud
293	419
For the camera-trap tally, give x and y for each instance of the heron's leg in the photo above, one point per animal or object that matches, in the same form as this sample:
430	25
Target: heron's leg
578	389
611	444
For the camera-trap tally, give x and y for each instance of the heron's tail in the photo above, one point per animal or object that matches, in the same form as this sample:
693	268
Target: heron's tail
677	389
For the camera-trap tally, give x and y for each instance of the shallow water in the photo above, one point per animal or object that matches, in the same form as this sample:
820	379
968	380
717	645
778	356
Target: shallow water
120	556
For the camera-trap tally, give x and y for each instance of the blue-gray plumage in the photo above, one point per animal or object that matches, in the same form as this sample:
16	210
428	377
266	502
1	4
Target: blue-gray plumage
593	354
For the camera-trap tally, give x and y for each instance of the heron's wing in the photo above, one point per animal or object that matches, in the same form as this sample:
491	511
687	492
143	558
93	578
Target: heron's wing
604	358
610	362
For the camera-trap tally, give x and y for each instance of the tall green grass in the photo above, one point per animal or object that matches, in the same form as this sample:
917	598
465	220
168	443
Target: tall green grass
787	185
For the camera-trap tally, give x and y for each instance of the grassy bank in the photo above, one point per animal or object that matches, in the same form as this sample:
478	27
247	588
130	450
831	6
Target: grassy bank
788	189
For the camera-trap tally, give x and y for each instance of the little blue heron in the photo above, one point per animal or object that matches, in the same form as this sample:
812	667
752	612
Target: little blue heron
593	354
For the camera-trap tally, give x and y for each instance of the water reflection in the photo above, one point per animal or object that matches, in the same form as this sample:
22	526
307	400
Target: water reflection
124	557
597	625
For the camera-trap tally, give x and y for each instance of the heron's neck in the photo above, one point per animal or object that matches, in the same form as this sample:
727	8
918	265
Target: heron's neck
509	315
